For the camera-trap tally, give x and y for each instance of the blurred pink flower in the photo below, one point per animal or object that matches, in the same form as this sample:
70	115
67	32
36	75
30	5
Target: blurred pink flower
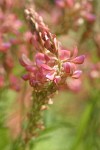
1	81
14	82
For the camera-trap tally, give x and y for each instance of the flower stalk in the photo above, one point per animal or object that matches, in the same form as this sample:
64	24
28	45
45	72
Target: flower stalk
40	100
47	72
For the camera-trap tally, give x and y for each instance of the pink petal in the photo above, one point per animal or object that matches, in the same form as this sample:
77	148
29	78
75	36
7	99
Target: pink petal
50	76
60	3
74	84
77	74
79	59
39	76
90	17
64	54
30	68
39	58
46	67
35	40
57	79
75	52
25	77
69	67
47	58
24	61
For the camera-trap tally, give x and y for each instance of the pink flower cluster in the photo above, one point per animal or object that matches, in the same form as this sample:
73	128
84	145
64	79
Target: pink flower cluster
51	63
10	39
79	11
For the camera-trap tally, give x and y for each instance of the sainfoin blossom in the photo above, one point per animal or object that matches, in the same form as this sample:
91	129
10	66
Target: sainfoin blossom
51	63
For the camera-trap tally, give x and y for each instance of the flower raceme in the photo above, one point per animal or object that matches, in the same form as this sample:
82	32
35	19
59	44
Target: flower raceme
51	63
48	70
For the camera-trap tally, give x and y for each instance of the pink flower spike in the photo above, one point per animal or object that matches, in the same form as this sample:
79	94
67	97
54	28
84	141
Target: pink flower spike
24	61
79	59
77	74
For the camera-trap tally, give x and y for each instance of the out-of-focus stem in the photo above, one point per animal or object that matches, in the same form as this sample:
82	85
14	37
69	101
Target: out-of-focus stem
39	99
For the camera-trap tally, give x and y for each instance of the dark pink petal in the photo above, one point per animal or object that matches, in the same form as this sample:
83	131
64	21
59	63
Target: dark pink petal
25	77
77	74
47	58
64	54
30	68
47	44
79	59
24	61
39	76
46	67
39	58
33	82
68	67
